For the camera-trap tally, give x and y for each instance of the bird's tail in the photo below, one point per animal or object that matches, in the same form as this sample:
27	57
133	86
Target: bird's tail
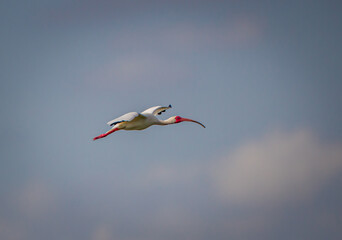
106	134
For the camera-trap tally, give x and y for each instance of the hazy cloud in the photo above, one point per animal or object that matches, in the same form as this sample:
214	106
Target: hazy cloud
102	232
277	167
139	70
152	62
36	199
233	31
13	231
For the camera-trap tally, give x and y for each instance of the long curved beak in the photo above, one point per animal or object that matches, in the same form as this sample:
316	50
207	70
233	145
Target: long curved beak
190	120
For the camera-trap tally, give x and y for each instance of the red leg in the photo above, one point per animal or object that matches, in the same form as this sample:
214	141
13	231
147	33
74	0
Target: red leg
106	134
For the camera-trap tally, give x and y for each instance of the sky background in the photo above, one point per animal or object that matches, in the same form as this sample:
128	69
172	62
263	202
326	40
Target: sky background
263	76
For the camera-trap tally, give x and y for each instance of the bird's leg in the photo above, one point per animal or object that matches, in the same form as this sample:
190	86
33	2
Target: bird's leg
106	134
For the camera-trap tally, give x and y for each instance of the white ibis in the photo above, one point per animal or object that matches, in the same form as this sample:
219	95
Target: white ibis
140	121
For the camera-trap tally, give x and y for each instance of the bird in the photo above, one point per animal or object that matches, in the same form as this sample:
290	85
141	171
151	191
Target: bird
143	120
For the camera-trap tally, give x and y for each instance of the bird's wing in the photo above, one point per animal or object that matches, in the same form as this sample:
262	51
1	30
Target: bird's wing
157	110
126	118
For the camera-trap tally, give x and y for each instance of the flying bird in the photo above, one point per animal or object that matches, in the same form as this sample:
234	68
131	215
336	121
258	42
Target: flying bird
140	121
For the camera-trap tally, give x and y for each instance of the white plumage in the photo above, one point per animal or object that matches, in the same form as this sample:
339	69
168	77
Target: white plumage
156	110
140	121
124	118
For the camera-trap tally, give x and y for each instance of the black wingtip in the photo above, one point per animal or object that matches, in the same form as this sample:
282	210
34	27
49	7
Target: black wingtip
170	106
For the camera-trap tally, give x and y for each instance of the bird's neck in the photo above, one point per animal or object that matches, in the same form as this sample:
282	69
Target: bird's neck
166	122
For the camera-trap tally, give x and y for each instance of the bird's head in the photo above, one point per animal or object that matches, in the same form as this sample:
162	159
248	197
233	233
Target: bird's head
178	119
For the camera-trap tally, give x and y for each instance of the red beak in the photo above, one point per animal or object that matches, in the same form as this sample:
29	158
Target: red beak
190	120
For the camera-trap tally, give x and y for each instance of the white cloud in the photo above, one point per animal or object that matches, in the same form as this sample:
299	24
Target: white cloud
140	70
233	32
278	167
36	200
11	230
102	232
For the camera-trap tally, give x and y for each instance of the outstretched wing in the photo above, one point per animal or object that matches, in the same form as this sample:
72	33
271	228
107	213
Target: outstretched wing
157	110
126	118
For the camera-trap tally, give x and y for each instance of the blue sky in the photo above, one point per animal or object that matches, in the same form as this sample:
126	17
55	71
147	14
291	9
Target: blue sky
264	77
